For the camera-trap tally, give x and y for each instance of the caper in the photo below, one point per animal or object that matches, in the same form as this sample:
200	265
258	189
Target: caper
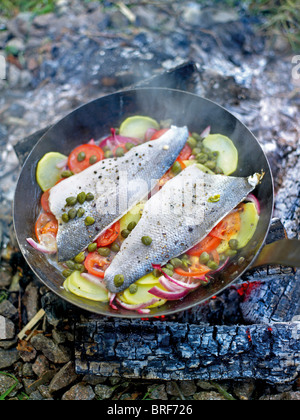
71	201
66	174
79	267
202	158
204	258
81	197
212	265
108	154
104	252
192	142
93	159
120	152
233	244
156	273
106	149
119	280
67	273
92	247
80	212
90	197
176	262
129	146
231	252
176	168
131	226
196	136
196	151
115	247
168	272
170	267
81	156
133	288
210	164
71	265
89	221
146	240
65	218
80	258
72	214
125	233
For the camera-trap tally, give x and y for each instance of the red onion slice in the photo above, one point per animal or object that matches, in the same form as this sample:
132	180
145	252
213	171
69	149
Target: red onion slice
156	291
116	140
189	286
252	199
206	132
112	297
40	248
168	285
62	165
139	307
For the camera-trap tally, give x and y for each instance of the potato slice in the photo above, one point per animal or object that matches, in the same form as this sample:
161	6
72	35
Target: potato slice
82	287
137	126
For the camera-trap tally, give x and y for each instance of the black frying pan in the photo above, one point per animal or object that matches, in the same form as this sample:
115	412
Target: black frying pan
94	120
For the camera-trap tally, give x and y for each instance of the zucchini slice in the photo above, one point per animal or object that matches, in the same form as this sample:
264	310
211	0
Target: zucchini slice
47	174
228	154
137	126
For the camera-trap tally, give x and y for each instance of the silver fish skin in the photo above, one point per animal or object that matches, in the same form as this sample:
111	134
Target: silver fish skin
179	216
117	184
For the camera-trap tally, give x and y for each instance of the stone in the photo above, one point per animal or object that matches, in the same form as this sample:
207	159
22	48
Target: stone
158	392
79	392
7	382
41	365
104	392
5	277
8	358
30	300
63	378
7	309
52	351
7	328
208	396
244	390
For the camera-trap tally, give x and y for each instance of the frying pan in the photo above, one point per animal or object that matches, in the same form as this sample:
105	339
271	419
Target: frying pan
94	120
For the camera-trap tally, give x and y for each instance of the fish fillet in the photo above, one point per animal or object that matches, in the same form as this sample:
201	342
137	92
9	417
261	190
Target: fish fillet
179	216
117	185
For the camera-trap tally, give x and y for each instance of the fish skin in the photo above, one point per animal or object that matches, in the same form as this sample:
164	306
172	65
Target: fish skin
174	228
117	184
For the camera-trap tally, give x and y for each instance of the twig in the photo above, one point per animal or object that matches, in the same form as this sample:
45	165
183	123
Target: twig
126	12
31	324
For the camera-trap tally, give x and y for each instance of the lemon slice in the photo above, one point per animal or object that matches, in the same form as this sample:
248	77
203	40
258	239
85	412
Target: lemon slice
228	154
47	174
82	287
137	126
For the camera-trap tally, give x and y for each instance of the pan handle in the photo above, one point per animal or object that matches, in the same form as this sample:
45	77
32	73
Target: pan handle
284	252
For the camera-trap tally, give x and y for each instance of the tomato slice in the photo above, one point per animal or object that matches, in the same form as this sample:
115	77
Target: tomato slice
89	150
109	236
159	133
208	245
228	227
46	224
185	153
45	201
194	271
96	264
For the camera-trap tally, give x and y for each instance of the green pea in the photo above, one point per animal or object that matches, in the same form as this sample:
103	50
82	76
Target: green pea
80	212
120	152
204	258
72	214
133	288
65	218
115	247
81	156
233	244
192	142
146	240
93	160
104	252
125	233
129	146
89	221
66	174
67	273
108	154
81	197
71	265
176	168
71	201
90	197
119	280
92	247
131	226
80	258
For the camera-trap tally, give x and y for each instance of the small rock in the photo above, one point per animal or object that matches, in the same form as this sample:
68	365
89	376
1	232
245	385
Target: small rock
186	388
7	328
30	300
285	396
157	392
52	351
5	277
6	382
244	390
79	392
15	46
192	13
41	365
64	377
208	396
7	309
26	350
8	358
104	392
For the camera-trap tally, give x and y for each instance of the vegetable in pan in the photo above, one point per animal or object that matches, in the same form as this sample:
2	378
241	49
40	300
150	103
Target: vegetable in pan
85	273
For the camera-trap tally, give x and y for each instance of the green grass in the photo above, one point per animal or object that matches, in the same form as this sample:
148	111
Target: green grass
11	8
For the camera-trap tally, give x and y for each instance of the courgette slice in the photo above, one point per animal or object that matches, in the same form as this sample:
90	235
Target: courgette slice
137	126
47	174
133	215
228	155
203	168
81	287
